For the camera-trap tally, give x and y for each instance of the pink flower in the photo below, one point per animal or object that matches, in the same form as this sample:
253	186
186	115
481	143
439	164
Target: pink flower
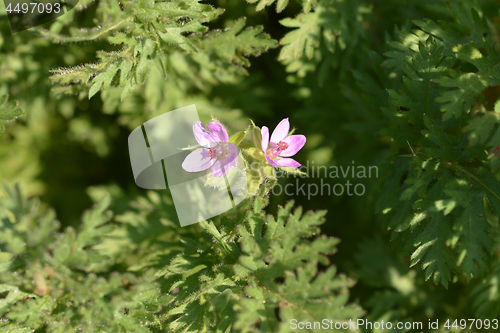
217	153
281	145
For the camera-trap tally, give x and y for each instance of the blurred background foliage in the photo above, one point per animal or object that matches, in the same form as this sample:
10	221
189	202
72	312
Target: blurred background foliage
67	149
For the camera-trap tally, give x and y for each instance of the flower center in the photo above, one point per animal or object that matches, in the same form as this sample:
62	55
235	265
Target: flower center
282	146
276	149
220	151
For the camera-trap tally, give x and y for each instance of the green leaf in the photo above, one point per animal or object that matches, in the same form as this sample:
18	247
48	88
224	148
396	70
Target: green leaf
467	26
473	232
466	86
303	40
256	136
485	295
231	44
256	153
175	34
484	129
261	3
238	137
8	111
433	252
281	5
103	80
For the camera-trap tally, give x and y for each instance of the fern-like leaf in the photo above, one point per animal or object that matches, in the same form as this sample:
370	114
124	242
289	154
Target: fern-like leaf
467	85
8	111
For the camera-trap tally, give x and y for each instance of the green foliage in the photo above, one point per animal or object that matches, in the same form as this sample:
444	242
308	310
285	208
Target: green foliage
55	282
332	26
409	87
170	36
228	274
448	191
467	85
486	295
210	285
8	111
273	248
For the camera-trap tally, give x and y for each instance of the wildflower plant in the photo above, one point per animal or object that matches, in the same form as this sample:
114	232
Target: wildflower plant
410	88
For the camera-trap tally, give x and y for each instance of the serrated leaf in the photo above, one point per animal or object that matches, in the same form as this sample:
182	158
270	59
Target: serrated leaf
303	40
435	256
103	80
467	86
484	129
8	111
232	43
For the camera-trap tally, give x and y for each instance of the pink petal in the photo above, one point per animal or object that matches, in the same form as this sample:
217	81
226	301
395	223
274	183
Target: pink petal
288	162
281	131
271	161
219	168
295	143
201	134
265	138
232	159
218	132
197	160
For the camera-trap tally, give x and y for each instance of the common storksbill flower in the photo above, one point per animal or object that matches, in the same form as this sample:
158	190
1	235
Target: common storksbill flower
281	145
216	152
